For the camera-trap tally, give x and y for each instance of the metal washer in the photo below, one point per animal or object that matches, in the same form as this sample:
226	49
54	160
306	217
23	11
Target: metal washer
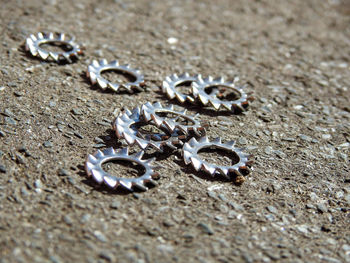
190	154
150	111
198	91
170	83
123	128
33	43
97	67
93	167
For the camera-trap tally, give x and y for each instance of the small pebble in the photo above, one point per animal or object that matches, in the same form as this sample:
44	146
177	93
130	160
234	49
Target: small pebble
342	156
37	184
103	123
115	205
236	206
326	136
222	197
23	149
310	206
2	169
98	53
10	121
313	197
321	208
212	194
12	84
47	144
52	104
280	154
298	107
18	94
106	256
165	249
288	139
101	237
272	209
4	71
8	113
78	135
291	90
77	111
303	229
305	137
268	150
206	228
60	127
55	259
172	40
68	220
339	195
346	247
218	218
63	172
323	83
20	159
71	180
136	195
24	191
247	258
242	141
85	218
307	174
168	223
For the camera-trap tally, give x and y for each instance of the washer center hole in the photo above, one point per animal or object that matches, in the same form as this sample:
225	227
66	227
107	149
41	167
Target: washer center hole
151	132
117	76
178	118
125	169
223	92
184	87
218	156
56	46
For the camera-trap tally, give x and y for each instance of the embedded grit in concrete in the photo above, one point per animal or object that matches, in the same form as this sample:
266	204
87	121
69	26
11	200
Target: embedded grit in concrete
295	205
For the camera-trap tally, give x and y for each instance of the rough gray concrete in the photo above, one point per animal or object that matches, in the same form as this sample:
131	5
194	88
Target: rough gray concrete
294	207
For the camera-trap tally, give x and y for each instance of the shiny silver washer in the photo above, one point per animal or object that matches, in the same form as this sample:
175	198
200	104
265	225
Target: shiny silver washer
123	128
150	111
97	67
33	43
93	167
190	153
198	91
170	83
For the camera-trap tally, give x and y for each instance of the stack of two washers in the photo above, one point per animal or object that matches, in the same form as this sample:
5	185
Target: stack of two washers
180	130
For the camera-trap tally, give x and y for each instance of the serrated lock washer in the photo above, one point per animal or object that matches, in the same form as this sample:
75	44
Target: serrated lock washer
190	154
96	68
199	87
34	42
93	167
125	127
151	112
171	82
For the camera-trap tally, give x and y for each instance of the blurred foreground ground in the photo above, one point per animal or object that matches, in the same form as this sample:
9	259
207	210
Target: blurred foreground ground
295	205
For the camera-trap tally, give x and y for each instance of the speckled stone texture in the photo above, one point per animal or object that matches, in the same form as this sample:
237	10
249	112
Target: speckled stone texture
293	207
